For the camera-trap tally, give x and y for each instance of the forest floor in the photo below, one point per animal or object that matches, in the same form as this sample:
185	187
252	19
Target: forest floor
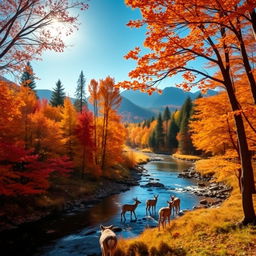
70	194
203	232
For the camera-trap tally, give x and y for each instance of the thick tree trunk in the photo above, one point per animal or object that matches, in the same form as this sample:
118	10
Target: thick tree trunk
253	17
247	178
247	67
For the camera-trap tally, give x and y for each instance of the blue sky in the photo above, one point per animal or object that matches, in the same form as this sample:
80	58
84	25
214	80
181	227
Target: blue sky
98	47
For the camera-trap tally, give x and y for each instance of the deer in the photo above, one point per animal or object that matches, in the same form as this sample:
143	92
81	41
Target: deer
165	214
129	208
108	240
176	204
151	203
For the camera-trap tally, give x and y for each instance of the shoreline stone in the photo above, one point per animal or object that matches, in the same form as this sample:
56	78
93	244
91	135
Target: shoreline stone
212	193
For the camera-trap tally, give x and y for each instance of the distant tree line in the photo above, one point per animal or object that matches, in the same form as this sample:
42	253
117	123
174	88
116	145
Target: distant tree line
168	133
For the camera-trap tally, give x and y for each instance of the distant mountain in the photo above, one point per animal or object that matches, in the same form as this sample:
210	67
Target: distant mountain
4	79
47	94
44	94
129	111
139	98
171	96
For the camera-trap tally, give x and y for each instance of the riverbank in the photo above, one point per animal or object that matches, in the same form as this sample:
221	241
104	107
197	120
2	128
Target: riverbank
211	192
189	158
205	231
71	194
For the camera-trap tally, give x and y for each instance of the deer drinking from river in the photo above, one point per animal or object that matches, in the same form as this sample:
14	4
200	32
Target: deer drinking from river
108	241
129	208
151	203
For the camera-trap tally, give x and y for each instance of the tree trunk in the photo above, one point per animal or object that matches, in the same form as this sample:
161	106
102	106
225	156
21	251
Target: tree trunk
253	17
104	140
247	67
247	179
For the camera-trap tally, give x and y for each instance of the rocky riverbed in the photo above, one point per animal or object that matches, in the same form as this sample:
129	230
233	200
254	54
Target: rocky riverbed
211	193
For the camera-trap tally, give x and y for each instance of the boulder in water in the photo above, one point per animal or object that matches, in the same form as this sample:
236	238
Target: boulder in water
154	184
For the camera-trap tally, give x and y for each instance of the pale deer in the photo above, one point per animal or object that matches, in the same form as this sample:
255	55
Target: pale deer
176	204
129	208
164	215
108	241
151	203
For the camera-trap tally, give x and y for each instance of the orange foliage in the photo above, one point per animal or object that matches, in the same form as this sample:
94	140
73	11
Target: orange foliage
10	117
213	128
138	136
45	136
68	124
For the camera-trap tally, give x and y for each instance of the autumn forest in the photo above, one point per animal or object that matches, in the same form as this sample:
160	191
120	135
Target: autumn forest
74	164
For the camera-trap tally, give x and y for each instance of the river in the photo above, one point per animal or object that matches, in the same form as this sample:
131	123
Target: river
78	234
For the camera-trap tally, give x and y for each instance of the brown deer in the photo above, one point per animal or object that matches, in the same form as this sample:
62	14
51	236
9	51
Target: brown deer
108	241
164	215
151	203
176	204
129	208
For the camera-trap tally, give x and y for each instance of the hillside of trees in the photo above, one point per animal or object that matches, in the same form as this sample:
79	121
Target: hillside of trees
168	133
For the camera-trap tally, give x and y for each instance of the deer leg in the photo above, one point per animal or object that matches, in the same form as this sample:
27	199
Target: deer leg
102	250
134	215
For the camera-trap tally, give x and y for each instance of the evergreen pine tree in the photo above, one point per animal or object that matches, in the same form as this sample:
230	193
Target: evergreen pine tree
180	116
159	133
172	135
166	117
80	93
58	95
28	78
185	143
167	114
152	141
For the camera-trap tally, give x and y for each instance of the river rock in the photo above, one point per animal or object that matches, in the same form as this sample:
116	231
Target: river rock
181	213
117	229
156	159
154	184
204	202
